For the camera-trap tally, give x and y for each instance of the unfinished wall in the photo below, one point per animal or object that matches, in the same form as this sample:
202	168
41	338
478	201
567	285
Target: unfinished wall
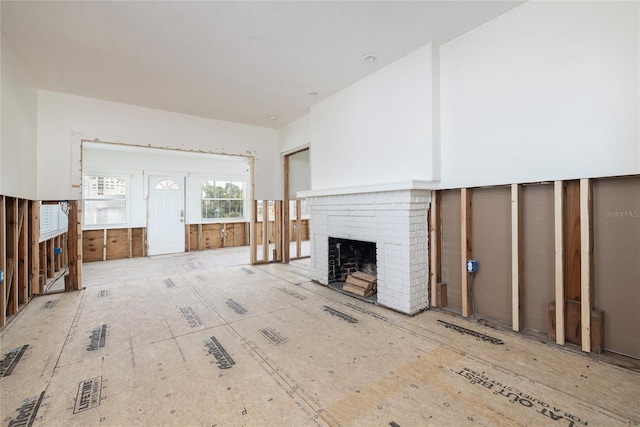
19	125
538	235
138	164
616	214
451	264
60	114
522	101
491	247
378	130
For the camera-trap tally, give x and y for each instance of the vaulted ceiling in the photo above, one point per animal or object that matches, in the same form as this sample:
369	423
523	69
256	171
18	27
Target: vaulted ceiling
236	61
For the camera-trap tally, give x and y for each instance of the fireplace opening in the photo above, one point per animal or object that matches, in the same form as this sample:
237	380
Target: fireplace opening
347	257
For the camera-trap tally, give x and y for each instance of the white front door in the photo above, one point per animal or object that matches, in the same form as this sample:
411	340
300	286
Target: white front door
165	221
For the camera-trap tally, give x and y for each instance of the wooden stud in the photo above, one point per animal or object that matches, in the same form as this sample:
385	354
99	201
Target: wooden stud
187	236
517	259
200	237
104	244
465	244
252	232
435	251
51	264
43	265
130	242
286	216
3	261
441	295
597	331
265	230
558	197
75	246
11	276
551	321
23	252
278	226
586	259
298	228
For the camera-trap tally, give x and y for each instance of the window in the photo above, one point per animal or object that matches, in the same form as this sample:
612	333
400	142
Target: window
223	199
53	220
105	200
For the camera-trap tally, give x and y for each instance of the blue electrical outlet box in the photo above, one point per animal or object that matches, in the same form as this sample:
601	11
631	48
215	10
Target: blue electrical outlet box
57	251
472	266
1	276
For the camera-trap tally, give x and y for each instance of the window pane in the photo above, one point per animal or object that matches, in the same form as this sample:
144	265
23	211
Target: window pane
222	199
105	200
103	212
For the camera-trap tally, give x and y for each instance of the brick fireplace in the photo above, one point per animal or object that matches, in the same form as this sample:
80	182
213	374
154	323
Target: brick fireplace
395	222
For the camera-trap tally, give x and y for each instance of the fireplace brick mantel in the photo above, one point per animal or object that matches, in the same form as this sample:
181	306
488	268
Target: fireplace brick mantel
397	222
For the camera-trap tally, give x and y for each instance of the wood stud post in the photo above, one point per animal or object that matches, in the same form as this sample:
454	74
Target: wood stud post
558	196
517	259
3	261
586	259
75	246
434	240
465	243
265	230
252	232
298	229
23	252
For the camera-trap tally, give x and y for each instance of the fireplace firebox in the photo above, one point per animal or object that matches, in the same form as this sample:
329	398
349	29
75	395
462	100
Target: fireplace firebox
348	256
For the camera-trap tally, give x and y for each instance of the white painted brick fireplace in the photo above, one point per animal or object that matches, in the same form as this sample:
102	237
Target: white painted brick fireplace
396	221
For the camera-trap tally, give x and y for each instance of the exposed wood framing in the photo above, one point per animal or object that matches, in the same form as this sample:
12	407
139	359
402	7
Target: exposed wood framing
11	276
199	237
253	242
558	196
572	263
286	215
23	251
3	261
265	230
586	260
51	263
33	224
298	229
278	230
42	273
465	246
435	247
75	246
130	242
517	259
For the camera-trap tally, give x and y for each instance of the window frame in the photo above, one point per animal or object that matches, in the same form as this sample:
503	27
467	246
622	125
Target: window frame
245	183
127	199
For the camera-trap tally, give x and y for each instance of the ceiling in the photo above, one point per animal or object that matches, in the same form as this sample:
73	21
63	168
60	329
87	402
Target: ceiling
234	61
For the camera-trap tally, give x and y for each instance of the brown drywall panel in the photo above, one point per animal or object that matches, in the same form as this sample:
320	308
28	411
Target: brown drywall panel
491	247
92	244
538	242
451	264
117	243
211	236
137	241
572	272
616	214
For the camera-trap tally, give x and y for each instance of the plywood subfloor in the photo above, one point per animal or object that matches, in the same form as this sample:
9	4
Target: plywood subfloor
264	346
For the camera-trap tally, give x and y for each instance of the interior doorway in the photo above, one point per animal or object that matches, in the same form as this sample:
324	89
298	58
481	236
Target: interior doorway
165	220
296	220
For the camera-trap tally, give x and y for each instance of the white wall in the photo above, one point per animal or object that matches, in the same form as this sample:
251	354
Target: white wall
295	135
19	101
378	130
60	114
299	173
139	164
549	90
